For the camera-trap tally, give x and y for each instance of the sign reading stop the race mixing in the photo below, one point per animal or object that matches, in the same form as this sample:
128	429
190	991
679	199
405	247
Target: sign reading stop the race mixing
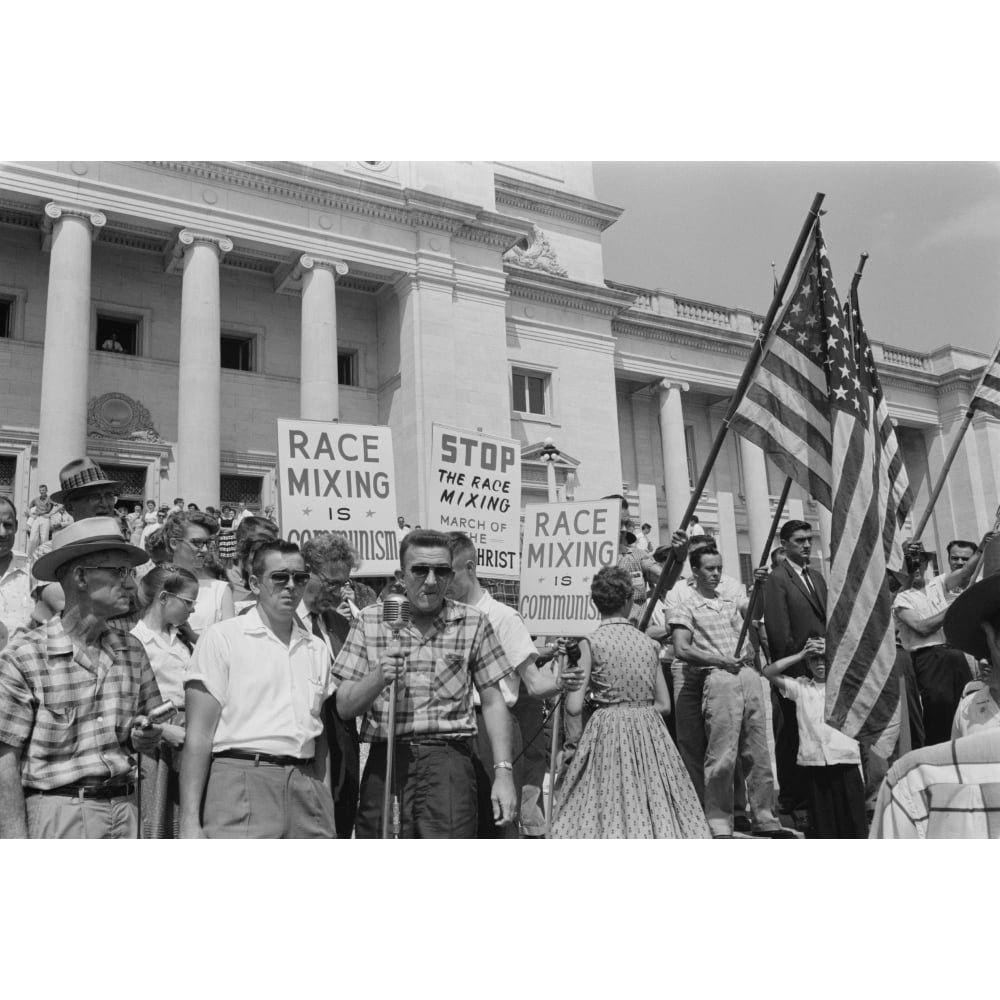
340	477
565	544
475	487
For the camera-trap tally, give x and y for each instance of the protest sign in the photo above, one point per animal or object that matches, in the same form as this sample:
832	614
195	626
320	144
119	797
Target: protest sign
565	544
340	477
475	486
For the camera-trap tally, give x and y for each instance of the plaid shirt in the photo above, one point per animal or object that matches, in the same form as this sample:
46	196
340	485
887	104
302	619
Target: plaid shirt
71	717
714	624
435	693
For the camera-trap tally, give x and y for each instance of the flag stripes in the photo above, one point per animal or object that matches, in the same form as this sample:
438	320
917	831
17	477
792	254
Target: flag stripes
987	397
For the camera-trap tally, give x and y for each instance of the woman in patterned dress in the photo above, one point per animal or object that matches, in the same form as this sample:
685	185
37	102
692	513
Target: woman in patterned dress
227	537
627	778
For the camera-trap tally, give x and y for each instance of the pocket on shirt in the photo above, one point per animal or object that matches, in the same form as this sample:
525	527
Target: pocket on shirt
452	675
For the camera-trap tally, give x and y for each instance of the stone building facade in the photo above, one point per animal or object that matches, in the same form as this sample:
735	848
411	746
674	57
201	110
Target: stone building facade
160	316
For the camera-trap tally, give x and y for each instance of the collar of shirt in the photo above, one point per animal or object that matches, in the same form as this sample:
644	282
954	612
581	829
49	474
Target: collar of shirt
254	625
146	634
18	567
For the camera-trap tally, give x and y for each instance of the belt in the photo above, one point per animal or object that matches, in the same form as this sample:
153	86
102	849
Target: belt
461	742
264	758
87	791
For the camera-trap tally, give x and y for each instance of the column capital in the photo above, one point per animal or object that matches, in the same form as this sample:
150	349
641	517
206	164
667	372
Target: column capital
187	238
54	211
288	277
666	384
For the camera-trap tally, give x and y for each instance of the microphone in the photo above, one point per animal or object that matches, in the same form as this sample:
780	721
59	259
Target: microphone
396	613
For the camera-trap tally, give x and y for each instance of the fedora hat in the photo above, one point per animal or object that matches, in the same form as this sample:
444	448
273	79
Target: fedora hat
92	534
981	602
79	475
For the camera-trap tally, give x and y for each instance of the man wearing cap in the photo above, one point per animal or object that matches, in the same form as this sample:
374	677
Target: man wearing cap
952	790
941	670
15	583
74	696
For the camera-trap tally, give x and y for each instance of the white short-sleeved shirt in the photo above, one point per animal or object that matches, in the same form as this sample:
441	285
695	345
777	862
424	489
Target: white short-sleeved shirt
271	694
976	711
819	744
208	610
169	658
16	604
515	639
925	603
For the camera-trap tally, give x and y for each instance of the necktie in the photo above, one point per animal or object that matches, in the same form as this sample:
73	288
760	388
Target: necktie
317	631
808	582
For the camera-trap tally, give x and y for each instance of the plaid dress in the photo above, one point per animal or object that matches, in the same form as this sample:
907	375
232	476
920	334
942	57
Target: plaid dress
627	779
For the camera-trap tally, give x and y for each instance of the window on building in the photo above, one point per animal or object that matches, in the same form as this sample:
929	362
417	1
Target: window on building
530	390
746	569
8	470
238	352
347	368
689	448
132	478
237	489
117	334
6	317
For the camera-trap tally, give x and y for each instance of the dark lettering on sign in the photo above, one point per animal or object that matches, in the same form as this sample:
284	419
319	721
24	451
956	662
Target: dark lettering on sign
546	554
493	457
334	446
341	483
491	559
545	607
370	545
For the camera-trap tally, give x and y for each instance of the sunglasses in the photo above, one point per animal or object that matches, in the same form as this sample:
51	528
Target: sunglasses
123	572
200	543
190	602
441	572
336	585
281	577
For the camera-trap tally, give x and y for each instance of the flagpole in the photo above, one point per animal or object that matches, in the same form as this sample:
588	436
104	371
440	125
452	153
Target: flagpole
953	451
857	276
763	562
756	353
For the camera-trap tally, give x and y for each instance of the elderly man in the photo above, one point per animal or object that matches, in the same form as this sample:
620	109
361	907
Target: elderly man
16	603
328	607
941	670
528	719
254	757
952	790
74	697
445	649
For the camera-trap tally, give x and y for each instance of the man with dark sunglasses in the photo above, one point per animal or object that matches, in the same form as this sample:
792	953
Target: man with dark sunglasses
445	649
254	753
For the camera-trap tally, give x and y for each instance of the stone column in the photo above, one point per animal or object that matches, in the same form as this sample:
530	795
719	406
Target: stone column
675	469
757	495
200	374
319	387
62	426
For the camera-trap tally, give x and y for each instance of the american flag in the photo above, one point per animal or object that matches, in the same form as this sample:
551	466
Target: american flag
987	397
816	407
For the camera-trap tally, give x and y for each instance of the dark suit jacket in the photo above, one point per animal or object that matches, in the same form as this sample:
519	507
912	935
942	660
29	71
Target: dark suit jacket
791	613
343	745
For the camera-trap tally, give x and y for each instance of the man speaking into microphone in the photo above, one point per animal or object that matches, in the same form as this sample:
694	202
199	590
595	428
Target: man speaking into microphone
441	652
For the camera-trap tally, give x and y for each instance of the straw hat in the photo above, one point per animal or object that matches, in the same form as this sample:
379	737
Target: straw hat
981	602
92	534
80	475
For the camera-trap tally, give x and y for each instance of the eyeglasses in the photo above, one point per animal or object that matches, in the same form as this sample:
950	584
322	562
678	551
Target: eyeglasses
331	584
123	572
105	497
441	572
281	577
200	543
190	602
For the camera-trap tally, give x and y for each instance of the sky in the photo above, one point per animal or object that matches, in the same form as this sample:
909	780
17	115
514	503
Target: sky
710	231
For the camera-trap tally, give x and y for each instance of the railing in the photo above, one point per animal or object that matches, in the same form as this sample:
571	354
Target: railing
713	315
897	356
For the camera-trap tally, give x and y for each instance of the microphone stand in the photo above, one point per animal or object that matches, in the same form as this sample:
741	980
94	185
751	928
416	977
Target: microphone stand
390	798
554	747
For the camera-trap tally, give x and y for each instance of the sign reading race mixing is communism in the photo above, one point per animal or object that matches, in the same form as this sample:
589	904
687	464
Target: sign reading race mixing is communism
564	545
340	477
475	487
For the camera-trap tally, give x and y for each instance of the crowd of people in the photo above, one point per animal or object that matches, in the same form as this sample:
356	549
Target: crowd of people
176	672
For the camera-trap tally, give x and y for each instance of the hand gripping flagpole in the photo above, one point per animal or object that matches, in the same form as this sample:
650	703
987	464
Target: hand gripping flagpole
756	354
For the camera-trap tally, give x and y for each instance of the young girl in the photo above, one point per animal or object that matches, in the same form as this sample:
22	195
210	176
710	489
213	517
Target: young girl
168	594
832	760
627	778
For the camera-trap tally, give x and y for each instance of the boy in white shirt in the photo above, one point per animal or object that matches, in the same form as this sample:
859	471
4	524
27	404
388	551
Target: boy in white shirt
831	759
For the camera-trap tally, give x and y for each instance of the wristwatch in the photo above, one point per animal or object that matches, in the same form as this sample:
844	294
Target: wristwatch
503	765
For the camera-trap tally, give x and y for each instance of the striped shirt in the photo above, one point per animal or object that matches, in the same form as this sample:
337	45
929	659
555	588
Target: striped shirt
435	692
944	791
71	717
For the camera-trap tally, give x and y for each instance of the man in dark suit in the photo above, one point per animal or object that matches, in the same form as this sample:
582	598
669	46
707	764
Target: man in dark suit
329	603
794	611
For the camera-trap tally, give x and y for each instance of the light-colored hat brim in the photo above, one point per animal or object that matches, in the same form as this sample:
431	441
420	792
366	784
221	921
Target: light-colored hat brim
45	566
